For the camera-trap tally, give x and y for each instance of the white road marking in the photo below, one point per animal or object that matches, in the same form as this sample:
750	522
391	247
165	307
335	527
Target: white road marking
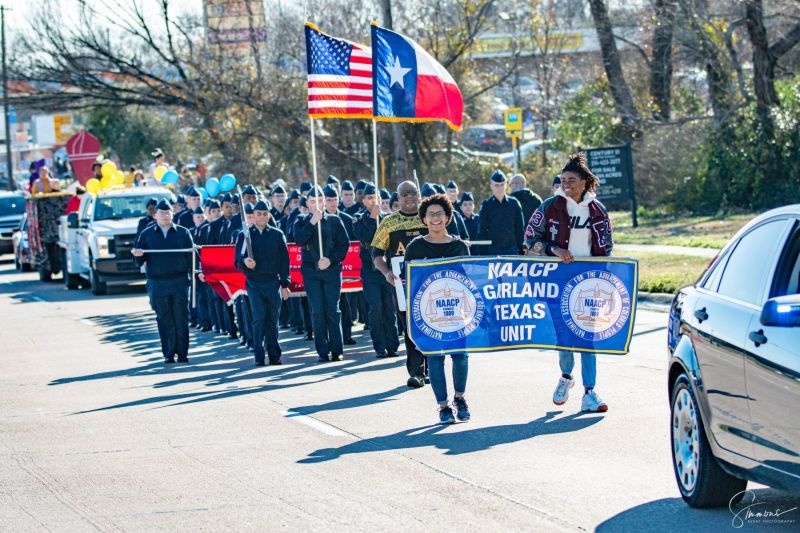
313	423
38	299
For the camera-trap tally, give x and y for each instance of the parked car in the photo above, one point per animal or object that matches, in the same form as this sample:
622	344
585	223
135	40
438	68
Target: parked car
12	207
734	366
23	259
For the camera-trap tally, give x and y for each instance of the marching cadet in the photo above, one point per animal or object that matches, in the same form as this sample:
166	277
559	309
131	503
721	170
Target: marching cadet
149	218
386	199
278	198
185	216
377	293
197	315
266	266
334	182
167	280
452	194
214	234
359	203
241	305
394	202
501	220
345	302
348	196
302	311
394	233
471	220
322	273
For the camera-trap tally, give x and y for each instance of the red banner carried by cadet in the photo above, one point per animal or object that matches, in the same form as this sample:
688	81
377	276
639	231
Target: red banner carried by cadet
221	273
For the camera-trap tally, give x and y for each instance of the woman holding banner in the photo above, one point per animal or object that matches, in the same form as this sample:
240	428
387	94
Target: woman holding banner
570	224
436	212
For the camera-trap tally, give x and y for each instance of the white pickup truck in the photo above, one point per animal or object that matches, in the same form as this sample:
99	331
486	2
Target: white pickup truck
97	240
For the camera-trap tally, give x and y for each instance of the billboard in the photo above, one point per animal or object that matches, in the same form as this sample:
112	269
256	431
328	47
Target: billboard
235	24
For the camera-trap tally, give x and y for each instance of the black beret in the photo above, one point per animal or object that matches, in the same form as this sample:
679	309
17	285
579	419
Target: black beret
332	179
249	189
347	185
248	208
393	198
261	205
557	179
452	185
152	201
369	189
197	211
163	205
330	191
498	176
278	190
213	204
227	198
427	190
385	194
294	194
315	191
193	192
467	197
305	186
181	199
360	184
439	189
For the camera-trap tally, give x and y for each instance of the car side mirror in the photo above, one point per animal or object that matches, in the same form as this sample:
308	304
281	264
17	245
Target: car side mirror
783	311
72	220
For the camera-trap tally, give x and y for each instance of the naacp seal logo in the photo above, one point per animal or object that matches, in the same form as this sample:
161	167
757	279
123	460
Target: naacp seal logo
595	305
447	306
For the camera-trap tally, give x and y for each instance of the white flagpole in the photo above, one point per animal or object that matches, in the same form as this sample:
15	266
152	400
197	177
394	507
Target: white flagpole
316	192
375	158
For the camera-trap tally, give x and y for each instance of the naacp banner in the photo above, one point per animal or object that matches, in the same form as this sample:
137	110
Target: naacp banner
478	304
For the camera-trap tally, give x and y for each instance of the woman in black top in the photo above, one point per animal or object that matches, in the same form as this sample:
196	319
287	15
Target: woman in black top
436	212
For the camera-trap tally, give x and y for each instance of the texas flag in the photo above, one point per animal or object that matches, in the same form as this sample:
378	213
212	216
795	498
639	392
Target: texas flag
408	85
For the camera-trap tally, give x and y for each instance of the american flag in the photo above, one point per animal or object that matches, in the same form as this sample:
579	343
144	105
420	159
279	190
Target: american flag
339	76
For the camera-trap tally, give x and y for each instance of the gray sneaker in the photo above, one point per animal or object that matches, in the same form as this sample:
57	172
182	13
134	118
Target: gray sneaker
561	394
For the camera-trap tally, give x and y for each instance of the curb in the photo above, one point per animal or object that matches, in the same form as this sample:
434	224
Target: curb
656	297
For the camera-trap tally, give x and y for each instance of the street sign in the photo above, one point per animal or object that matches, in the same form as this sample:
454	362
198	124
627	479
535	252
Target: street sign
613	165
513	118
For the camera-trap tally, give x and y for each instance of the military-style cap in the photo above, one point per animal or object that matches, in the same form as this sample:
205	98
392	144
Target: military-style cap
427	190
498	176
163	205
347	185
278	190
303	202
249	189
295	194
330	191
360	184
557	179
332	179
213	204
235	199
193	192
261	205
315	191
305	186
438	188
466	197
227	198
385	194
181	199
197	211
393	198
157	152
248	208
152	201
452	185
369	189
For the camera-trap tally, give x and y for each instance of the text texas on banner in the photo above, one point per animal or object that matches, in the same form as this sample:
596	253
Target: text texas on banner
474	304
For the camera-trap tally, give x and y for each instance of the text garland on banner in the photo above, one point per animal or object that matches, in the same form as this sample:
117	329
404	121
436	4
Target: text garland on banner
474	304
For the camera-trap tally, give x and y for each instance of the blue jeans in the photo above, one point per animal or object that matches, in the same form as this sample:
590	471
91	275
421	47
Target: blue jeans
323	288
439	382
566	360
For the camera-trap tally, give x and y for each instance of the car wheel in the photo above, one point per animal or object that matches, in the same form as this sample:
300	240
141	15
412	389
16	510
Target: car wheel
701	480
71	281
98	287
25	267
45	275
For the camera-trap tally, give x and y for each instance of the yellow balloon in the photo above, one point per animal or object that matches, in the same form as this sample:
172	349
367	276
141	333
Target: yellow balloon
106	182
118	177
159	172
108	168
93	185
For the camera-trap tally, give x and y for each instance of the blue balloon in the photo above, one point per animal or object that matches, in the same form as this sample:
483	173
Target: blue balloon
170	177
212	187
227	182
203	193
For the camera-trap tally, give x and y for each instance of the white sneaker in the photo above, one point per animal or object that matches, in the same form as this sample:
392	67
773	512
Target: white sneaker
592	403
561	394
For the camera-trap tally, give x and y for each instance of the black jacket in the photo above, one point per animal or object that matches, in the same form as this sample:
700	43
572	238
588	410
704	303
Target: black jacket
501	222
529	201
166	265
184	218
364	228
269	252
215	232
335	241
143	223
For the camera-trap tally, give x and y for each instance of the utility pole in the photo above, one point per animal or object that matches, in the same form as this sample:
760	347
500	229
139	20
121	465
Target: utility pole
9	162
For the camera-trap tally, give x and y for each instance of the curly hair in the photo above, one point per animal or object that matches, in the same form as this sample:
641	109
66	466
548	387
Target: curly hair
436	199
577	164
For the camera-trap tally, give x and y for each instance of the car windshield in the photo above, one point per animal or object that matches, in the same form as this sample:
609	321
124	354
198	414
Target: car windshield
12	205
119	207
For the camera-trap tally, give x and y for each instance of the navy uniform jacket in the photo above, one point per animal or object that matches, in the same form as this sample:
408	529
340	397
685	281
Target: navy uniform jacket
269	252
143	223
353	209
335	241
215	231
457	227
501	222
347	220
472	224
184	218
232	226
165	266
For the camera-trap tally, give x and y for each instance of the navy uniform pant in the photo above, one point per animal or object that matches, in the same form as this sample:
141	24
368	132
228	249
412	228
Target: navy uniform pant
265	304
347	317
244	317
202	304
169	300
383	318
324	287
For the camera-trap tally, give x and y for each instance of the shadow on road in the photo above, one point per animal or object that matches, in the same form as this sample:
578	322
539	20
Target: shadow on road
651	517
459	442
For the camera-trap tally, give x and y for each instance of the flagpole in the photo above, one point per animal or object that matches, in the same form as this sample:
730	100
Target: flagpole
316	191
375	157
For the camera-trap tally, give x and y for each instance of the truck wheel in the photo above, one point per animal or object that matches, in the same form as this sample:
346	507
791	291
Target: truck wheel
98	287
25	267
71	281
